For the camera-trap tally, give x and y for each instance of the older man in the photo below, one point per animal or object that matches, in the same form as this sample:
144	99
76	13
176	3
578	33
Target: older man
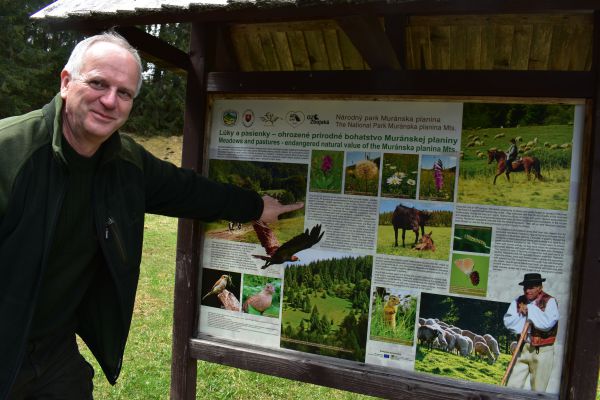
73	194
536	358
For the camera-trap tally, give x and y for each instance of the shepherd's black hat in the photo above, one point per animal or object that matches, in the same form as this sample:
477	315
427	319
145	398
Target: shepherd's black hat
532	280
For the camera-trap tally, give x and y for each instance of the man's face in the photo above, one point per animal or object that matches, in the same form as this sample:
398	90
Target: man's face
98	102
531	292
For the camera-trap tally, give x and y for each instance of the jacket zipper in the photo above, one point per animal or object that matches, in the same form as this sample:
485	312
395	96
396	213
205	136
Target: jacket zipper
112	230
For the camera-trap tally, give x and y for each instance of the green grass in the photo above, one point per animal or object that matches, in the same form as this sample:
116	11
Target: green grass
334	307
441	238
146	373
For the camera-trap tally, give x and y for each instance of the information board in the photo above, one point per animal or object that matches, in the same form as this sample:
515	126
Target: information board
414	239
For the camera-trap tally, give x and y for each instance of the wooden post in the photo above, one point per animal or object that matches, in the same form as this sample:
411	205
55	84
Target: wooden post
511	364
187	274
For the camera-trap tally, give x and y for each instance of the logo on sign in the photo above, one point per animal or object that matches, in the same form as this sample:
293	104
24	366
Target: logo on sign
315	120
230	117
269	118
248	118
295	118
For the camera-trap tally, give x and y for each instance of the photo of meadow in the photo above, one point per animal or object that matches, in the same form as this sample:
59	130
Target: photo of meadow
393	315
326	304
471	317
435	219
399	175
438	177
542	132
326	171
362	173
283	181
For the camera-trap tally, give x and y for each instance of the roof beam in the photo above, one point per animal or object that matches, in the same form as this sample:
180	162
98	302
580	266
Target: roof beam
156	50
369	38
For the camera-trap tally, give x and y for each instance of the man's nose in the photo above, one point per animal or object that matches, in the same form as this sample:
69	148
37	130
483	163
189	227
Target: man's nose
109	98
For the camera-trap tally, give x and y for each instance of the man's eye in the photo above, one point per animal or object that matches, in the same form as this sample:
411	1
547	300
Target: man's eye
125	95
98	85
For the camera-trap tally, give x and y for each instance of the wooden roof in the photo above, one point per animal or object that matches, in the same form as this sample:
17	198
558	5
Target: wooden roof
314	36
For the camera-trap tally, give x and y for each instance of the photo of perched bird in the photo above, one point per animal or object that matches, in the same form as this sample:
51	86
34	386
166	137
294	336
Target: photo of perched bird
260	301
278	254
220	285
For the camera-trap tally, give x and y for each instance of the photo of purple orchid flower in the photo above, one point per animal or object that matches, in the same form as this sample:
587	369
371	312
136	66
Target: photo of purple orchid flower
438	177
326	167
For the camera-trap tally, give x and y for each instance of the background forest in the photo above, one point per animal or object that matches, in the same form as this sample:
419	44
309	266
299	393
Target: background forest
25	86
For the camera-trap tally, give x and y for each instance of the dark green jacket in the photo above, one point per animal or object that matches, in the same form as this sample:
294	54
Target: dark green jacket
129	183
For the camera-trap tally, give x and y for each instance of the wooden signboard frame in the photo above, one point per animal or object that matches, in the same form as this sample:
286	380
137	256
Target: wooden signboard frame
581	363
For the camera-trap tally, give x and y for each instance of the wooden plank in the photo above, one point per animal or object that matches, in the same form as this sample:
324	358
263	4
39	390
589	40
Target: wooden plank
458	47
242	50
225	57
488	45
373	380
582	358
282	49
474	40
396	30
317	53
350	56
371	41
333	49
185	311
540	47
503	40
440	47
269	51
560	48
521	48
420	48
445	83
257	54
298	50
581	53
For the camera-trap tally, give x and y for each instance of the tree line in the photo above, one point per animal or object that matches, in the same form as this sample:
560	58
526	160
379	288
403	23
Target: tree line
438	218
486	115
32	57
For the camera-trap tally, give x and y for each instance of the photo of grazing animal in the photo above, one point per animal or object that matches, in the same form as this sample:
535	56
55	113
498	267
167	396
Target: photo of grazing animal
431	223
406	218
279	254
459	338
393	315
524	164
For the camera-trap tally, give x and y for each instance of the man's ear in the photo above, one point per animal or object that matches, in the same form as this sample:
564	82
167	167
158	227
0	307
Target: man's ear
65	79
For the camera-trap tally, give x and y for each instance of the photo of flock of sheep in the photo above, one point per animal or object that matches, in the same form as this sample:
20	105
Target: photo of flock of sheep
463	338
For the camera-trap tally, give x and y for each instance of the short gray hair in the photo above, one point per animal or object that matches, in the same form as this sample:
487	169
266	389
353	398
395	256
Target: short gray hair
75	62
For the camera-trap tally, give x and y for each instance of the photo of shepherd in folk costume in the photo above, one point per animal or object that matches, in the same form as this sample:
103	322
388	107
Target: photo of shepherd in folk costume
533	315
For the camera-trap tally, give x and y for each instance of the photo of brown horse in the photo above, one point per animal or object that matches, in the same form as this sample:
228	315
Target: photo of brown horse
525	164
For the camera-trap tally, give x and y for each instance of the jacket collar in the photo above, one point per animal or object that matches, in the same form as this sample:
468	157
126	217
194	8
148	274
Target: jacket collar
53	114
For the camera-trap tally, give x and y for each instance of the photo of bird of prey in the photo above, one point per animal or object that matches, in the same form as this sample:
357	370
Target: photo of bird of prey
279	254
219	286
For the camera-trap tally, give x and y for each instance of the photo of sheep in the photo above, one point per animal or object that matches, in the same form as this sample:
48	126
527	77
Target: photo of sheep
415	229
538	138
399	175
469	274
325	307
393	315
473	239
438	177
261	295
284	181
362	173
220	289
326	170
462	338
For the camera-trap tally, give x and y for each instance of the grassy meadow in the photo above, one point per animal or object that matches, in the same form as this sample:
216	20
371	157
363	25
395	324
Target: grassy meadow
451	365
441	237
146	373
551	144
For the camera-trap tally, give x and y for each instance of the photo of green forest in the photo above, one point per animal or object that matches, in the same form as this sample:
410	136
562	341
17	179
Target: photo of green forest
543	134
283	181
471	317
326	305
